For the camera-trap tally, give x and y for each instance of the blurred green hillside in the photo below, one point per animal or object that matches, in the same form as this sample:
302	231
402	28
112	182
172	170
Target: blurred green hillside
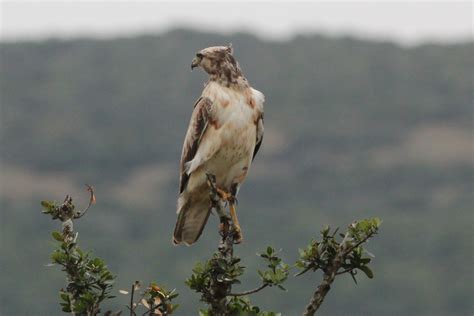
354	128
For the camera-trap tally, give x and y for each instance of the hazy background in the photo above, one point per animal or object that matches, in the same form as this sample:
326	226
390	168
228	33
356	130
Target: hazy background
368	113
407	22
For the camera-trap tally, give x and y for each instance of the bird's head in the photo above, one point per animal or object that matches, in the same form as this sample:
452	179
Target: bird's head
210	58
219	63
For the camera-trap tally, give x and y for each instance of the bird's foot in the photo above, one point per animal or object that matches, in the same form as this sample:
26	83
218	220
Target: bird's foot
221	193
224	195
224	227
238	237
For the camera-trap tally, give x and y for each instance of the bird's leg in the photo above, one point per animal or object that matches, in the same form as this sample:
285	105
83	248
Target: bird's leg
216	200
235	221
217	195
229	197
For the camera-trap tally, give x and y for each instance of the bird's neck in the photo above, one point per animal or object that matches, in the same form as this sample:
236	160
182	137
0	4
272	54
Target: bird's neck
229	75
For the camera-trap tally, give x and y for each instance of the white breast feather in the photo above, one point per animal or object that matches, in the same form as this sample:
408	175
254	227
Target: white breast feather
227	151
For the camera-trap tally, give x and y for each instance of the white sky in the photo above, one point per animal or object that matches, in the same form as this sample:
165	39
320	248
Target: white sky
407	22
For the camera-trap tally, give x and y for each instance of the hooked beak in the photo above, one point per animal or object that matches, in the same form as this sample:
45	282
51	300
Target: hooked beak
195	62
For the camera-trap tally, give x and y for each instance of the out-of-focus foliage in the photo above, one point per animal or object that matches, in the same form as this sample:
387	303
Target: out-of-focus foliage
351	126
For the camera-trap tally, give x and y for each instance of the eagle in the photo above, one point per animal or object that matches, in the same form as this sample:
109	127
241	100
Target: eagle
223	137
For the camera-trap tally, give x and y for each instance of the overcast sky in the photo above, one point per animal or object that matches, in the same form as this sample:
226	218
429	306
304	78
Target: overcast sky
407	22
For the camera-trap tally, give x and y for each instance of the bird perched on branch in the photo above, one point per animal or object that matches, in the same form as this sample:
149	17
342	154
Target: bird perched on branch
223	137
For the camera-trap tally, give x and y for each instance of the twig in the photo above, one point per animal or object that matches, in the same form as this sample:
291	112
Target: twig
345	271
305	270
132	308
92	200
151	311
261	287
349	250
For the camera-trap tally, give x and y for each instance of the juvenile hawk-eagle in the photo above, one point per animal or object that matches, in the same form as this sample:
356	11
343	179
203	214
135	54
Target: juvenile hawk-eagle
223	137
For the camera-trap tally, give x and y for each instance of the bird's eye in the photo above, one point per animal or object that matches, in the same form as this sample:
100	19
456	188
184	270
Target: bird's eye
199	55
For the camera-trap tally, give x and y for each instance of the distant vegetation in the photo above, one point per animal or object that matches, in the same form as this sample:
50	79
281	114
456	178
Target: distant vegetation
354	129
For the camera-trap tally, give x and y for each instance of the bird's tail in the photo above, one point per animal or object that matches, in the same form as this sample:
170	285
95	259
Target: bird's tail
192	217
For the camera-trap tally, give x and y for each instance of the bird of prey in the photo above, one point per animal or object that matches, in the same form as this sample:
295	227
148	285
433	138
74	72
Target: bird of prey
223	137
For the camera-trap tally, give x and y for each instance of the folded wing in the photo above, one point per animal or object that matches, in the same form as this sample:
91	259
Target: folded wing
192	215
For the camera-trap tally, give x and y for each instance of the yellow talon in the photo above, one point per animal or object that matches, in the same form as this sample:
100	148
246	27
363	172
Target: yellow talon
228	197
225	196
235	221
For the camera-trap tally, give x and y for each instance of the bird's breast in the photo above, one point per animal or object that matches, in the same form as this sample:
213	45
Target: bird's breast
237	133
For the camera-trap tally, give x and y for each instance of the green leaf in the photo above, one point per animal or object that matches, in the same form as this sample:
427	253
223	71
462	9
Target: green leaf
325	230
79	307
47	204
57	236
203	312
365	260
301	252
263	255
367	271
58	257
174	307
66	309
64	296
376	221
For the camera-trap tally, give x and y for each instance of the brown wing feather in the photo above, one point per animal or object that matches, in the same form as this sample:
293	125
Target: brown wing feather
197	127
259	135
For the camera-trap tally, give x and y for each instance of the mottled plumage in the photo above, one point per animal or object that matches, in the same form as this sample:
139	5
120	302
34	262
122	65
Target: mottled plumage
223	137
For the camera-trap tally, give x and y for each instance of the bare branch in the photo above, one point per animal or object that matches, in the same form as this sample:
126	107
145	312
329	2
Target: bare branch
261	287
324	287
92	201
345	271
304	271
132	308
